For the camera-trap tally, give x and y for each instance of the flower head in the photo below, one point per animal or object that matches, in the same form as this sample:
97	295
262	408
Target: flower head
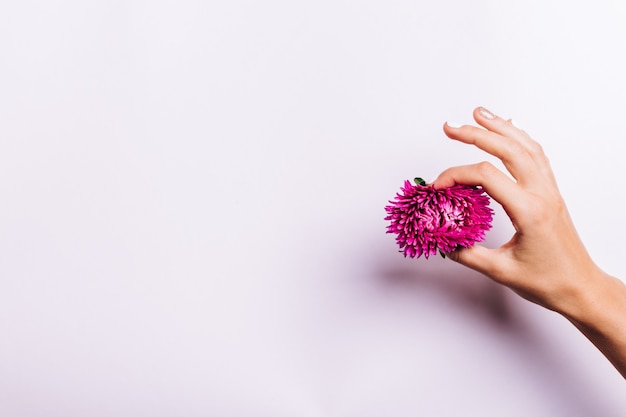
427	220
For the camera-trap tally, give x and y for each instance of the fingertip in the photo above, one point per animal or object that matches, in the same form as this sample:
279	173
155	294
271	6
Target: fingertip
453	125
450	129
454	255
478	258
443	181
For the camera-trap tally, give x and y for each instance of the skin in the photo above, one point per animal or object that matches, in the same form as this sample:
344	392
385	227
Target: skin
545	261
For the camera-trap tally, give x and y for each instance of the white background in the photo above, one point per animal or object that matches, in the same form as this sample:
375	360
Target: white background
192	202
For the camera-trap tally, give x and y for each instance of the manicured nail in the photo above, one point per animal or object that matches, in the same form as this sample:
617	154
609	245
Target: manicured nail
454	125
486	113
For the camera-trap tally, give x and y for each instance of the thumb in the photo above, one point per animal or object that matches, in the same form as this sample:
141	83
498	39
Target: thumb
477	258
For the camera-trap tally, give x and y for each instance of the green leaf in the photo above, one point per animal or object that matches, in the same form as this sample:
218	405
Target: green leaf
419	181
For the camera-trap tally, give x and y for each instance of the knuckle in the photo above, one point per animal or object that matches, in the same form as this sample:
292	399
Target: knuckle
515	149
539	157
536	149
446	173
485	169
531	151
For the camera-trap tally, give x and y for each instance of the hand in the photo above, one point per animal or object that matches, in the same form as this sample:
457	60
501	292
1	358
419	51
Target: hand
545	260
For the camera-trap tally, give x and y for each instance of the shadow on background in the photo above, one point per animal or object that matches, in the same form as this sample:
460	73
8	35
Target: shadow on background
496	307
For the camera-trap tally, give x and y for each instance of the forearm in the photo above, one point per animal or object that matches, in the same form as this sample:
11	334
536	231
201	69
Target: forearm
601	317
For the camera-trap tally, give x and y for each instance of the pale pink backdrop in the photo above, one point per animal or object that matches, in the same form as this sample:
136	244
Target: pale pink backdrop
192	193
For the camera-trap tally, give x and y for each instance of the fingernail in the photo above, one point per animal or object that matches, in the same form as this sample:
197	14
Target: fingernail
454	125
486	113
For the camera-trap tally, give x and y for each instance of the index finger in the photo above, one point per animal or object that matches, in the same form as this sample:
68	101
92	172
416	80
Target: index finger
503	140
491	179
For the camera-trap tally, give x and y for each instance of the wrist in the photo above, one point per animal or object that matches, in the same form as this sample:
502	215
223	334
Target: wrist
601	317
598	305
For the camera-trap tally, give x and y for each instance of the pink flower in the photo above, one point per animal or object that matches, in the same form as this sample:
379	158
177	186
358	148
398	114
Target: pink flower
426	220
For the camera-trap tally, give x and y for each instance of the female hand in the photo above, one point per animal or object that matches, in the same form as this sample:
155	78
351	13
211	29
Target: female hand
545	254
545	260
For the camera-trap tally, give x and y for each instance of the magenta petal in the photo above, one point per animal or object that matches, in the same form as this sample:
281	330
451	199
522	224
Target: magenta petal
426	220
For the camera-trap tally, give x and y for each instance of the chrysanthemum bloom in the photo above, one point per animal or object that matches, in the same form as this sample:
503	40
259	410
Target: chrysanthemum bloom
427	220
